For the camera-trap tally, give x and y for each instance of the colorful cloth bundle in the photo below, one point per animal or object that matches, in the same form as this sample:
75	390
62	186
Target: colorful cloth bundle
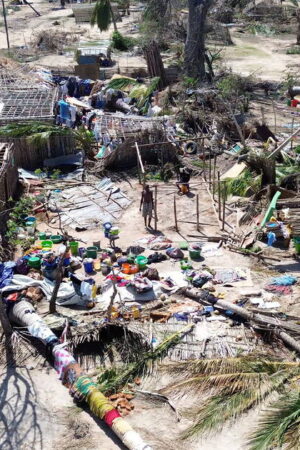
99	404
62	358
81	386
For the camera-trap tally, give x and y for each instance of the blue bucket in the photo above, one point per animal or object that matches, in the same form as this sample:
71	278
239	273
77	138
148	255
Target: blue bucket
30	219
88	266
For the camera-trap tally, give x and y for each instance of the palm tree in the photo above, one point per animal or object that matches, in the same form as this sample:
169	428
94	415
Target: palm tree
233	386
103	15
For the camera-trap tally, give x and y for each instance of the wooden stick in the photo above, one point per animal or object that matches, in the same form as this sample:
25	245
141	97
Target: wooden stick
214	176
197	212
155	208
141	162
204	171
175	214
224	206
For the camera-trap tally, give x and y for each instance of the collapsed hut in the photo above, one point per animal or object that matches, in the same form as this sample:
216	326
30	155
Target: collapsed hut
22	98
151	134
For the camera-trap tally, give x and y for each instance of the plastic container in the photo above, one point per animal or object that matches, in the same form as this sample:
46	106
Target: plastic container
34	262
126	268
42	236
114	231
88	265
141	261
97	265
56	238
91	252
194	254
46	245
74	248
30	219
296	241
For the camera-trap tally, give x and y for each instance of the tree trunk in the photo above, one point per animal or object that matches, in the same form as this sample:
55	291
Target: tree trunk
5	321
113	17
298	23
194	60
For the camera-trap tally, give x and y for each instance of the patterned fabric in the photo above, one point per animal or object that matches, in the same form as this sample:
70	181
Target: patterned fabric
62	358
71	374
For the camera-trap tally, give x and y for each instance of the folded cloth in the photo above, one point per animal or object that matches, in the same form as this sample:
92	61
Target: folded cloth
279	290
142	284
285	280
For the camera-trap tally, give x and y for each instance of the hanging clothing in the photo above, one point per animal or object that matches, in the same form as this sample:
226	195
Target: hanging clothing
64	110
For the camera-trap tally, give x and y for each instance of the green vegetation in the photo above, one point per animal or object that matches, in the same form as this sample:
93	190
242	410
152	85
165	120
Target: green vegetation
243	185
293	51
227	388
16	220
262	29
122	43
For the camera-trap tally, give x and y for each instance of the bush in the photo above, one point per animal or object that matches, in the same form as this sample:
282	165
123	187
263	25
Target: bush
122	43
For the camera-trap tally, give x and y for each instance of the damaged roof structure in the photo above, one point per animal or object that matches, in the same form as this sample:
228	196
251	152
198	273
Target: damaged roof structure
22	98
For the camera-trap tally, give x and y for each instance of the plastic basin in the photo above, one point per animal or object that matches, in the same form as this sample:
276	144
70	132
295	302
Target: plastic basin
56	238
34	262
46	244
141	261
194	254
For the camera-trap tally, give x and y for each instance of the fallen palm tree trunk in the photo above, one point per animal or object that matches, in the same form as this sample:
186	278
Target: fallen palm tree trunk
81	387
256	320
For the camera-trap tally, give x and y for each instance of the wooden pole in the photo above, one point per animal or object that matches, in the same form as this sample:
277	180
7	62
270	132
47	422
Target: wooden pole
214	176
140	162
138	167
224	205
175	214
197	212
5	24
155	208
293	120
219	196
275	117
203	158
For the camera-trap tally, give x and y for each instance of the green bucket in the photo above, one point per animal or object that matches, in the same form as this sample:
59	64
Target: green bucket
91	252
74	248
194	254
46	244
141	261
42	236
34	262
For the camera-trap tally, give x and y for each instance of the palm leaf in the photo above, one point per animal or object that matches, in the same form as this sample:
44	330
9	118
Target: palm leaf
121	83
279	425
114	379
101	15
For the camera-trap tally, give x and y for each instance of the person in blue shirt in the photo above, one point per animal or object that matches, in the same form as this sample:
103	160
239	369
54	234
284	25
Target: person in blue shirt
64	111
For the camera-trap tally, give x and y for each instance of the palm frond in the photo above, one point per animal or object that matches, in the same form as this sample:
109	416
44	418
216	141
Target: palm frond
101	15
121	83
113	379
279	425
257	363
228	383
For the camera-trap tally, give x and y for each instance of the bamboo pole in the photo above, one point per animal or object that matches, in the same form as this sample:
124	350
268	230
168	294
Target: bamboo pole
203	159
140	162
175	214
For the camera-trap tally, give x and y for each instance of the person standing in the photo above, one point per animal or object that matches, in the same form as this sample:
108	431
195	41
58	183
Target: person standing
147	204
